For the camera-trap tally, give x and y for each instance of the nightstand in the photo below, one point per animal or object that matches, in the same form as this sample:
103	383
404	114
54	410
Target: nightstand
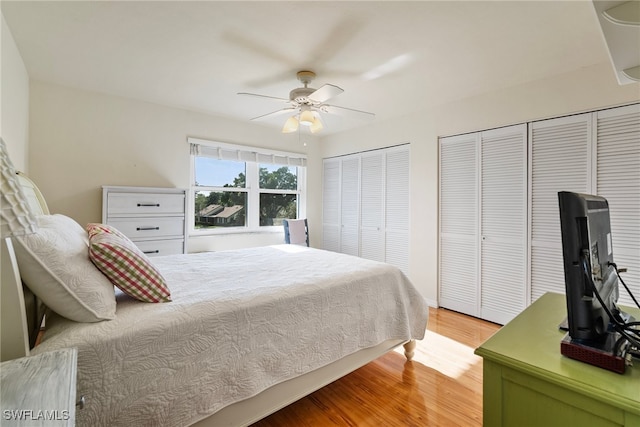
39	390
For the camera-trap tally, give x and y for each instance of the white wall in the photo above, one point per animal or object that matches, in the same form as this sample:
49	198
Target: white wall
14	95
80	141
589	88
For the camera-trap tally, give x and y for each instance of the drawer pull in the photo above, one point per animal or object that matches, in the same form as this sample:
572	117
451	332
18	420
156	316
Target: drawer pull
80	403
147	228
154	205
151	252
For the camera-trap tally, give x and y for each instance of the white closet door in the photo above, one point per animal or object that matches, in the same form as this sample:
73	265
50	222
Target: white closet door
503	247
618	180
459	285
372	192
349	206
397	208
331	205
559	161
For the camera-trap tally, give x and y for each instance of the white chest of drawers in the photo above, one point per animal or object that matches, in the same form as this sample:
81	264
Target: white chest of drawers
153	218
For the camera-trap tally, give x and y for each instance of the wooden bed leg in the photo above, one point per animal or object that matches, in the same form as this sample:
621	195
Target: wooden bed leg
409	349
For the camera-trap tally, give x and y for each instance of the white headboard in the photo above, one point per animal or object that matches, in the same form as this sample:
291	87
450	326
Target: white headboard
35	198
21	312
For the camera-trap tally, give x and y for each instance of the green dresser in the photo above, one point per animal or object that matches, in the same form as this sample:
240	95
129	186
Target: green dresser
527	382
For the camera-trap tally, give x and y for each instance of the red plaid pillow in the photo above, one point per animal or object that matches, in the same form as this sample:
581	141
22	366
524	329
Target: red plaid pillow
95	228
127	267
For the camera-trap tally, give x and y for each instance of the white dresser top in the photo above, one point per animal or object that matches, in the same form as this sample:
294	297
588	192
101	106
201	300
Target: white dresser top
39	390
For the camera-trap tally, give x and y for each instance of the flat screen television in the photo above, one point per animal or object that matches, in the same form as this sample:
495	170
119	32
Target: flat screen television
588	254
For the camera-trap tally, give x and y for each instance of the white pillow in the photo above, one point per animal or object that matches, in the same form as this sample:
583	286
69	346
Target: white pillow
54	263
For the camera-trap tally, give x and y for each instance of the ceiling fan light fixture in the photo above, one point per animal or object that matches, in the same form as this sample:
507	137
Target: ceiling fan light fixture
291	125
316	126
306	103
307	117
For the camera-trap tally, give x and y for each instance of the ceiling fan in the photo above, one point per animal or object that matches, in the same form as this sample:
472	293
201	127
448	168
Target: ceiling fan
306	104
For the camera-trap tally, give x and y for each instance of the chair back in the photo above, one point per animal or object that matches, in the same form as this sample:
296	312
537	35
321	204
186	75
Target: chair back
296	231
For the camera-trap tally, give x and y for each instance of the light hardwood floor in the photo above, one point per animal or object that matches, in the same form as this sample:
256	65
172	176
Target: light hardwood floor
441	387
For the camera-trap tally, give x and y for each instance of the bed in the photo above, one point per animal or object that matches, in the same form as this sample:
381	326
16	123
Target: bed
246	333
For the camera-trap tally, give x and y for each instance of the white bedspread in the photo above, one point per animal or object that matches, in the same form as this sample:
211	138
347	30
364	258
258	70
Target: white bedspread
240	322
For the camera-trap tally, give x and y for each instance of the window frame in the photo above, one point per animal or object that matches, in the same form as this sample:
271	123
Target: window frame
252	185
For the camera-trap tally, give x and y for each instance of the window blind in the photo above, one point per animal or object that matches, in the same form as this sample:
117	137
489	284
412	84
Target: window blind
223	151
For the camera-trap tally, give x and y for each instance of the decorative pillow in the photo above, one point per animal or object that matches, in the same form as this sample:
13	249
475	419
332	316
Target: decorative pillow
95	228
128	268
54	263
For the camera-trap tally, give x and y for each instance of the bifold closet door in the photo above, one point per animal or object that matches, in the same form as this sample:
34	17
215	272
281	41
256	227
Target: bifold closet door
331	205
366	206
618	180
397	207
503	223
459	285
559	161
483	223
500	240
372	195
350	206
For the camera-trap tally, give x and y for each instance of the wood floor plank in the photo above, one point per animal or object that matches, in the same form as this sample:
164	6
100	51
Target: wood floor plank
441	387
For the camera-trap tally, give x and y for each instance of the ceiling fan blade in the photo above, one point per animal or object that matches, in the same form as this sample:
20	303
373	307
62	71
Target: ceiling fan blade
262	96
391	66
339	36
257	47
276	113
344	111
326	92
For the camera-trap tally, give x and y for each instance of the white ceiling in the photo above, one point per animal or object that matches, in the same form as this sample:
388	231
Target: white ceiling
198	55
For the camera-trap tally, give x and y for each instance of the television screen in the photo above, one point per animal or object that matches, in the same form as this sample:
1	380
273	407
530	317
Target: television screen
588	254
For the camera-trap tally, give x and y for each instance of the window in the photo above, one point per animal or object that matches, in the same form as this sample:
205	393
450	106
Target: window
217	201
244	189
278	193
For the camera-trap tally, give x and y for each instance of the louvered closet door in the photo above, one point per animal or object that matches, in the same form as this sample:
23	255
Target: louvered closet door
349	206
331	205
459	284
372	206
503	250
397	209
559	161
618	180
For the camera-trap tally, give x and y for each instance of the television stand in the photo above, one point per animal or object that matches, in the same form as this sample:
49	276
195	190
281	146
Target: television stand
607	354
527	382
